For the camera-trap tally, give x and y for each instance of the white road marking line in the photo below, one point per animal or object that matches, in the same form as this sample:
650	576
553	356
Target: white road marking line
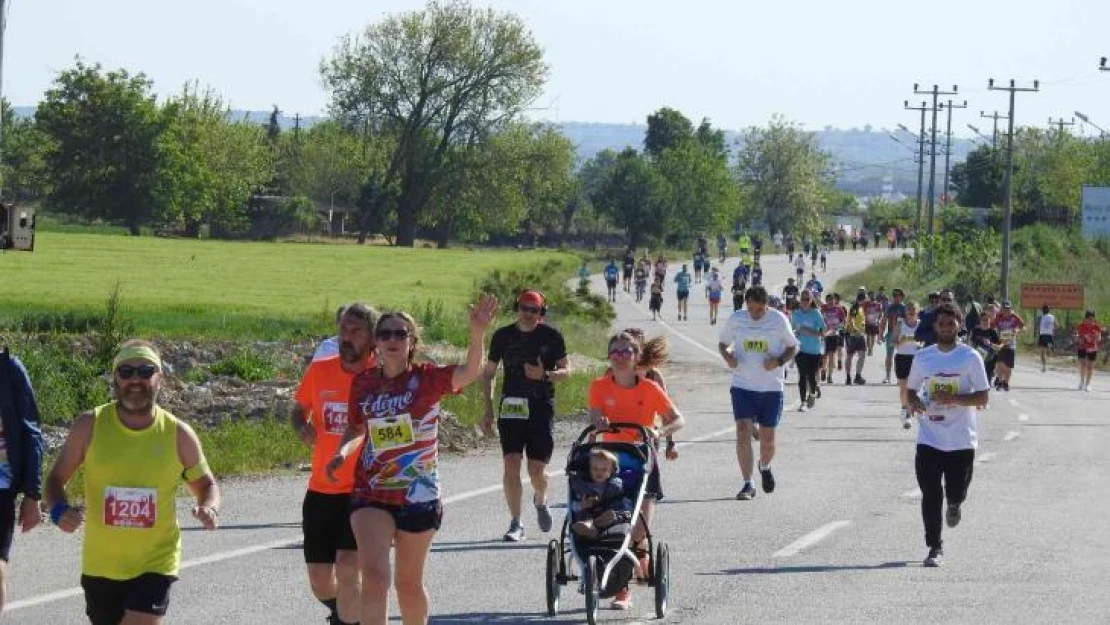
691	341
810	539
1011	435
912	494
1023	417
987	457
1015	403
49	597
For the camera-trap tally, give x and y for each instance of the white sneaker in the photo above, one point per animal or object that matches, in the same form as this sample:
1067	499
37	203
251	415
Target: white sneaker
802	408
1082	386
1087	387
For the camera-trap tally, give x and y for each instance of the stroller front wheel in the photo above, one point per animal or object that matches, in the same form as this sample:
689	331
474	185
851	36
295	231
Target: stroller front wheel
661	576
554	569
590	588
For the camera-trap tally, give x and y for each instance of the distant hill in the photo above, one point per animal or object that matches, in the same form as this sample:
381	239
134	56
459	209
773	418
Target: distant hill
868	161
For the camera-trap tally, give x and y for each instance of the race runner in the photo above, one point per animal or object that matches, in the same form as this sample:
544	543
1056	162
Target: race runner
1088	335
756	343
627	266
713	290
682	292
611	275
895	311
535	357
134	455
906	348
856	344
1046	335
622	395
809	326
393	417
947	382
873	316
20	458
1008	324
834	316
653	354
319	418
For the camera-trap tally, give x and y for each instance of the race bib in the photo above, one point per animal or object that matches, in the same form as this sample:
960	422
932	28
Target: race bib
130	507
1007	335
335	417
905	338
756	346
950	386
391	432
515	408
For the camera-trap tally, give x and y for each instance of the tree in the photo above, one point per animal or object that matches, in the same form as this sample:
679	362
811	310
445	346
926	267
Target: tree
104	153
23	152
699	190
630	193
432	79
978	180
666	128
783	172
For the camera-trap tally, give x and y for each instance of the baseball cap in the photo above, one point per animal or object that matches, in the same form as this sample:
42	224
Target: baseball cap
1090	314
531	298
1006	304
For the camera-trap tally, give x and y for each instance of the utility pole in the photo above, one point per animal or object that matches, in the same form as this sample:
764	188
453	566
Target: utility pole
995	116
935	91
1060	123
1007	217
948	143
3	27
920	160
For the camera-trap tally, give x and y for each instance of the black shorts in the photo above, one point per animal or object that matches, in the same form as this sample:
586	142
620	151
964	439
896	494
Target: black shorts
7	522
1083	355
832	343
856	344
1007	356
326	523
872	329
612	284
413	518
106	600
532	436
902	364
683	296
1045	340
627	274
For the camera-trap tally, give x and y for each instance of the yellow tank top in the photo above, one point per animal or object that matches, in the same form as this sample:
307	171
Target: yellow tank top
131	479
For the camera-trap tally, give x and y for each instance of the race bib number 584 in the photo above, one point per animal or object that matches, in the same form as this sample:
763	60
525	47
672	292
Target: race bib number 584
130	507
391	432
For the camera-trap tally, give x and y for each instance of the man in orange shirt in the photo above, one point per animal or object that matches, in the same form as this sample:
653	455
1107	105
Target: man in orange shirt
320	418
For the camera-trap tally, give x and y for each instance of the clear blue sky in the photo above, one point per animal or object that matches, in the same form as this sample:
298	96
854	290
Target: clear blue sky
845	64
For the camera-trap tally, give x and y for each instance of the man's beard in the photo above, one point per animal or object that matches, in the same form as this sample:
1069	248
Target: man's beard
137	399
349	354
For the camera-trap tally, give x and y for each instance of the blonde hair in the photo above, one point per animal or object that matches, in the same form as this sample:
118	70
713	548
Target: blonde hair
653	352
606	455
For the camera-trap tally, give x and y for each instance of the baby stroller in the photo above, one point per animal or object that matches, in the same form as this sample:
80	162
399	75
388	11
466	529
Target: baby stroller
603	566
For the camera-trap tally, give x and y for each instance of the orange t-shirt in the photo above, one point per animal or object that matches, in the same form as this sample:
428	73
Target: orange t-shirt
324	393
640	404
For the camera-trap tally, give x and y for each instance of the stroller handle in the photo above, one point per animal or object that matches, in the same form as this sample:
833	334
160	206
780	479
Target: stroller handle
615	426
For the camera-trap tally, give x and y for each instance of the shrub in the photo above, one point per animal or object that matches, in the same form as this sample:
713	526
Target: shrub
247	365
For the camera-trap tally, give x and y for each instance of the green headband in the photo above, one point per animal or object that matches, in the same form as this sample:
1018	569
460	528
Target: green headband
137	352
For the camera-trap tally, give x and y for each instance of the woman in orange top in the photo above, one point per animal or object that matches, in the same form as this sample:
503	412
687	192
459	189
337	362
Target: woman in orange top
623	396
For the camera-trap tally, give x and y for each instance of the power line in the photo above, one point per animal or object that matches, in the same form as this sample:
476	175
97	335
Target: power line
936	92
1060	123
1007	218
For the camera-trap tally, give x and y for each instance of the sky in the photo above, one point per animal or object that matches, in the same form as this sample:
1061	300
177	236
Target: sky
844	64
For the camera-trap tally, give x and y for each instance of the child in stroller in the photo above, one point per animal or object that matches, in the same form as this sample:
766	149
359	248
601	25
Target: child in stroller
599	505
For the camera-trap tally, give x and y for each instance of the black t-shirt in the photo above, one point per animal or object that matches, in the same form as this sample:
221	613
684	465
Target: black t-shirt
629	263
790	291
514	348
983	338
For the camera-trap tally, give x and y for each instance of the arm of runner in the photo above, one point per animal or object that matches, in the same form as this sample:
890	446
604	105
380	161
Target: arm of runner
726	352
198	477
352	438
69	459
299	419
480	318
913	384
561	371
673	421
597	419
489	374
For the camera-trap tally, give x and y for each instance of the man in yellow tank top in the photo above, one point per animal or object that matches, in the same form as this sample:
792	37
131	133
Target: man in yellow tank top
135	454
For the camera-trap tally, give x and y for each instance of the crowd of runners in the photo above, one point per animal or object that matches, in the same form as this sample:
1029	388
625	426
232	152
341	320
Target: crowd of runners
370	413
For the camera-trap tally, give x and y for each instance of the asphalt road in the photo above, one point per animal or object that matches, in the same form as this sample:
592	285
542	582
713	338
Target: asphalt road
840	540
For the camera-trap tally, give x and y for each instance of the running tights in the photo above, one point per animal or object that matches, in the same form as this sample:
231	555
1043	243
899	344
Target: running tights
931	465
808	364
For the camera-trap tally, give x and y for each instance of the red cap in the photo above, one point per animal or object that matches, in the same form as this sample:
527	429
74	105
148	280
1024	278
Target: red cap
531	298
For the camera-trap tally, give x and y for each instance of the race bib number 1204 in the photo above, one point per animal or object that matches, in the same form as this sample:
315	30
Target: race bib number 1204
130	507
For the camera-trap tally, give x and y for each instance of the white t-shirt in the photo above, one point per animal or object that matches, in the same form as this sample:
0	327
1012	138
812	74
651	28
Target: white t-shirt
327	348
1048	324
753	341
906	346
800	262
947	428
713	283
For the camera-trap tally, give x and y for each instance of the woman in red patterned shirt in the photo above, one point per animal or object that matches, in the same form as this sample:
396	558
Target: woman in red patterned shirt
1088	335
393	416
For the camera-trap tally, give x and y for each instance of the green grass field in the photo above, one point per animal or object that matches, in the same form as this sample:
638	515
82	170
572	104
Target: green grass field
173	287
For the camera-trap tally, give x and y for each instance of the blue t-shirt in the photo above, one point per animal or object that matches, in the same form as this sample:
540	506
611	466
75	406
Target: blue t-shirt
813	320
683	281
611	272
815	285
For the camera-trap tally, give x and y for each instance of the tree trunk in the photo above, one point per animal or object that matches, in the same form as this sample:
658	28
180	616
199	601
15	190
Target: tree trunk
133	228
406	222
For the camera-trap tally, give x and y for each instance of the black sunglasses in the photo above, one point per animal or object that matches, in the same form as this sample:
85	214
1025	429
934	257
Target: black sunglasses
126	372
385	335
534	310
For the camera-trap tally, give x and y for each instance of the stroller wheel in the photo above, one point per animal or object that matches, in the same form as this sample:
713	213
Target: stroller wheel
662	578
589	587
554	567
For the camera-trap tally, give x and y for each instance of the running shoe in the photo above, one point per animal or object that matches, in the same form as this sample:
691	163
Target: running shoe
859	380
812	400
905	419
1087	387
1082	386
802	407
1006	385
886	380
747	492
543	517
933	560
839	365
953	516
818	392
767	479
515	533
848	380
622	600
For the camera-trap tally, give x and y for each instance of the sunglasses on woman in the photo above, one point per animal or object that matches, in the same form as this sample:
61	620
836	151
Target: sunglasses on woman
622	352
385	335
126	372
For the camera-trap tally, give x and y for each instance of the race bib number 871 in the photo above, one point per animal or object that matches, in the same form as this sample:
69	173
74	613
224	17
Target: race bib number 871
130	507
756	346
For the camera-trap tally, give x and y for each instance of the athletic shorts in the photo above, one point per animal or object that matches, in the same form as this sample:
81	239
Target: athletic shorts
1007	356
765	408
889	341
697	266
627	274
106	600
683	295
872	329
413	518
7	521
902	364
532	436
832	343
1045	340
1083	355
715	298
856	344
612	284
326	523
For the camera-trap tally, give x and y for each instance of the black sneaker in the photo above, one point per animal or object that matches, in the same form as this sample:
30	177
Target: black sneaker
933	560
767	479
543	517
859	380
747	492
1006	386
848	380
953	515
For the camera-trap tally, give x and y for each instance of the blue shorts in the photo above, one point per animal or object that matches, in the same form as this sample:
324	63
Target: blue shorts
765	408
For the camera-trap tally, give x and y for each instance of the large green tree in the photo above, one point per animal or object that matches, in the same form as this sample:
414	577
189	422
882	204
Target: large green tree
22	157
104	153
632	195
666	128
433	79
978	180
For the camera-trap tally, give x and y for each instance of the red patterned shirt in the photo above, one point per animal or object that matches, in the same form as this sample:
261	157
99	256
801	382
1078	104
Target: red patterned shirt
397	465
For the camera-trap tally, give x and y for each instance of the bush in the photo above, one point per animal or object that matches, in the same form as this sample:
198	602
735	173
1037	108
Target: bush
247	365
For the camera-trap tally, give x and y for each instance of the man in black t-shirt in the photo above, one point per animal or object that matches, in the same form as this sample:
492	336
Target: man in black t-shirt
535	356
790	292
629	265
